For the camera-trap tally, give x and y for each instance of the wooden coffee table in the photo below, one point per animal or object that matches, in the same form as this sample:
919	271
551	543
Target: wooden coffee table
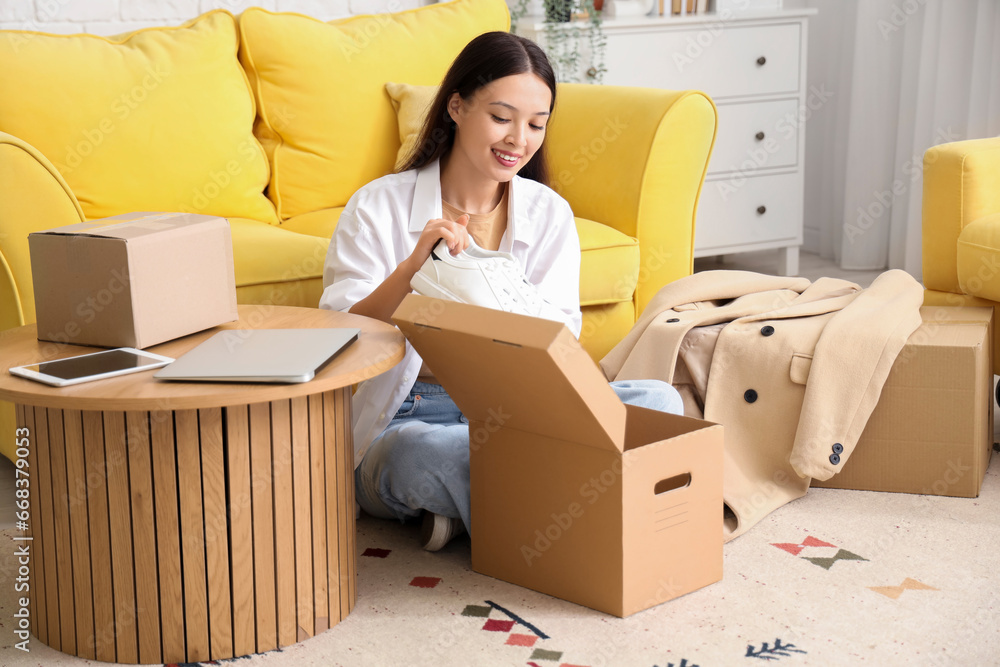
184	522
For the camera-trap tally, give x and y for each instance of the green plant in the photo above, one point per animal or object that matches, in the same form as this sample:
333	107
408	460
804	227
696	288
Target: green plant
564	40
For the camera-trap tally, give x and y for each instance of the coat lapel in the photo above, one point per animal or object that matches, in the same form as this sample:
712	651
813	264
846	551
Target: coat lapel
706	290
826	295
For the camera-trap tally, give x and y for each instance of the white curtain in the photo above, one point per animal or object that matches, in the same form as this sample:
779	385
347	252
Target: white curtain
888	79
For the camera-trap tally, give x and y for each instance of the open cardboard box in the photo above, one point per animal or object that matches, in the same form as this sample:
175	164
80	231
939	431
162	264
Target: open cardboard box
574	494
932	430
133	280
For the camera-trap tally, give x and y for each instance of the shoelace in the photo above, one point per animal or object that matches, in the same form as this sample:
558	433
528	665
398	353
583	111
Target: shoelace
513	290
514	279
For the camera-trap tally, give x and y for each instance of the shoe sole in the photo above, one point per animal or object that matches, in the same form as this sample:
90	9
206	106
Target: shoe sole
423	285
440	533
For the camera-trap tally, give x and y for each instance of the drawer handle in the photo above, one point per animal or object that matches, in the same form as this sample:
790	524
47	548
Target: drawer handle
761	210
759	136
761	60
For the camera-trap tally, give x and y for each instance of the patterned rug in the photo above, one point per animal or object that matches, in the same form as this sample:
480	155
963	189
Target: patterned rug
835	578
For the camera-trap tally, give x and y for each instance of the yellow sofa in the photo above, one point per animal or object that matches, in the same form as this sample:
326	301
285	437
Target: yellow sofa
961	227
272	120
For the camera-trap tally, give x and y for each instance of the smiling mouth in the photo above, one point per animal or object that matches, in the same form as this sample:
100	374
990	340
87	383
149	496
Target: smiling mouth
505	157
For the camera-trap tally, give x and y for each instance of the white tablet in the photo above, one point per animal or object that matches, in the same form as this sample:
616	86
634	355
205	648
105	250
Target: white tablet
93	366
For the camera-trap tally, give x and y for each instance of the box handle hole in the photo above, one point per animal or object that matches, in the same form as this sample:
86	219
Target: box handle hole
672	483
503	342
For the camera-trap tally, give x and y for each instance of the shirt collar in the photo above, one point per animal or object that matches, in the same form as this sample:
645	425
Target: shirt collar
427	202
426	196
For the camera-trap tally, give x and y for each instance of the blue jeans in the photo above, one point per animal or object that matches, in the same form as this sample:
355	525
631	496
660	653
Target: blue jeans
421	460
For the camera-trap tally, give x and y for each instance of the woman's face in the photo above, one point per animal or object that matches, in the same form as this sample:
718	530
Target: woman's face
502	126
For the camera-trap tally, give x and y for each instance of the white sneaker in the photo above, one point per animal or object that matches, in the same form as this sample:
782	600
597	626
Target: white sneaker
437	530
482	278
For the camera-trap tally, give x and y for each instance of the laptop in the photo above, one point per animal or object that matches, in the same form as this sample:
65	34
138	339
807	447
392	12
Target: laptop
260	355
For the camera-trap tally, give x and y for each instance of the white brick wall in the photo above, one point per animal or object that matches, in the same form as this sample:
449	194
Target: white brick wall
139	10
316	7
375	6
76	10
235	6
16	10
113	17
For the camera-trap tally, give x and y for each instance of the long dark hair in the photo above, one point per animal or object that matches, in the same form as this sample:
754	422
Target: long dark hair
491	56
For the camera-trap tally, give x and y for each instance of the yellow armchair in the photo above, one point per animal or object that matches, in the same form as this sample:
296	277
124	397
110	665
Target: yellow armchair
961	227
32	196
633	159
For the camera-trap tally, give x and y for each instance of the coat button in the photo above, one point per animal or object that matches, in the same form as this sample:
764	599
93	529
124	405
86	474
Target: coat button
766	330
673	319
837	448
750	396
834	459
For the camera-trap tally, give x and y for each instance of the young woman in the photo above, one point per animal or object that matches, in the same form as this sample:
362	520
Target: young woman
477	170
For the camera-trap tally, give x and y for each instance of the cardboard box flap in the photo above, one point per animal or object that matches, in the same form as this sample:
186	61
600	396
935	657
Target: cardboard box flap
948	326
132	225
935	316
520	372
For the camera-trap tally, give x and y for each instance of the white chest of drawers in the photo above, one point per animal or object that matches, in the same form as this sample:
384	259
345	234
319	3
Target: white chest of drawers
753	65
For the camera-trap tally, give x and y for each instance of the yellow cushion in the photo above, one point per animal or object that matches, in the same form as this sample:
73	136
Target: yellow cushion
159	120
410	104
979	258
267	254
609	264
272	263
325	120
318	223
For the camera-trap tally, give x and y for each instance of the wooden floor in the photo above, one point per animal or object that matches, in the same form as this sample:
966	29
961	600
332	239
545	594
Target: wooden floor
810	266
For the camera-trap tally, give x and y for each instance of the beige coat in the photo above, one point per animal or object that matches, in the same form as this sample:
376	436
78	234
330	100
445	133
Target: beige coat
796	370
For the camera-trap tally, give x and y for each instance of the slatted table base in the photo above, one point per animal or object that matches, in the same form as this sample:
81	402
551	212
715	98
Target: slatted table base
191	535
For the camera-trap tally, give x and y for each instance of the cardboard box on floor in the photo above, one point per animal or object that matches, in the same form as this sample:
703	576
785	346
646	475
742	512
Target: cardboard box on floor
133	280
574	494
932	430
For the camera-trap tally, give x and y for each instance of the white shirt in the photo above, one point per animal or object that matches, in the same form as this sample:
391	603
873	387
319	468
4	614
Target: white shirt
379	229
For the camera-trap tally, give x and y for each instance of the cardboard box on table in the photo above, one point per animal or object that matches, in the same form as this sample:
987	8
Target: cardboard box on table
932	430
574	494
133	280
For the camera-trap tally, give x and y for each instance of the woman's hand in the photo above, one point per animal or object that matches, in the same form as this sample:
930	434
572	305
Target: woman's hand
454	232
384	300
